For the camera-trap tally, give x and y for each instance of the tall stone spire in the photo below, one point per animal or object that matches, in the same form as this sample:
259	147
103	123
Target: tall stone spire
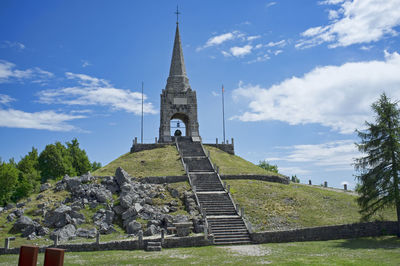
177	79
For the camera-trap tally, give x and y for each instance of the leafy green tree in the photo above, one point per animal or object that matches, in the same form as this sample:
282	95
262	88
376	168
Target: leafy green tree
23	188
95	166
8	181
379	168
55	161
269	167
80	160
29	167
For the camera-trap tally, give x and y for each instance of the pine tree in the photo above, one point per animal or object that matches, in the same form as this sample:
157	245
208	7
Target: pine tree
80	160
379	169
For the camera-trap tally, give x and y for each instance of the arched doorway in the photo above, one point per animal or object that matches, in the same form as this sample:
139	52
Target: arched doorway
179	125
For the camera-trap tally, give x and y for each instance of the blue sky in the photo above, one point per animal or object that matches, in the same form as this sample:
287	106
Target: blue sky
299	76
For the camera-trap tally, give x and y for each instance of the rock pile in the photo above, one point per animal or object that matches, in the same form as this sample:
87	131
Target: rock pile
118	199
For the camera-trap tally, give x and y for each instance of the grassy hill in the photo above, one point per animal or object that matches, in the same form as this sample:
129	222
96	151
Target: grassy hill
157	162
273	206
234	165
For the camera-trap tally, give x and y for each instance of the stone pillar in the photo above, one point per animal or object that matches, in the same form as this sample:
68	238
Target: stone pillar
208	154
205	232
309	182
135	142
345	186
325	184
237	207
155	140
242	212
97	238
216	141
140	238
228	188
217	169
162	236
232	141
6	243
56	240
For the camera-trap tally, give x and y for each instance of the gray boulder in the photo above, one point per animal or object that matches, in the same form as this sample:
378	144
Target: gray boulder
65	233
10	206
151	230
11	217
133	227
121	176
42	231
20	204
22	223
44	187
103	195
86	233
59	217
125	201
1	209
86	178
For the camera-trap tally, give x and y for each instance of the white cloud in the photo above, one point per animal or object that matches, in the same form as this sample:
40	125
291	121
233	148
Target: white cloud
337	154
255	37
85	63
278	52
5	99
226	54
269	4
9	44
355	22
95	91
281	43
9	73
214	94
219	39
45	120
293	170
241	51
260	58
366	48
338	97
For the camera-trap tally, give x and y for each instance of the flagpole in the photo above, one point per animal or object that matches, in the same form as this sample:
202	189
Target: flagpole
141	133
223	112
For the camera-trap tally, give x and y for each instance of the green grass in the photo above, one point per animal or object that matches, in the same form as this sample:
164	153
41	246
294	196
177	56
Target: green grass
157	162
272	206
234	165
363	251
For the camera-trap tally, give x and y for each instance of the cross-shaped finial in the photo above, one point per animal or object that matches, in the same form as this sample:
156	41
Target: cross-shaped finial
177	14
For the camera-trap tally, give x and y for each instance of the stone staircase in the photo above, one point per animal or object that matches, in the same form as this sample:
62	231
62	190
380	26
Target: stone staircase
215	201
153	246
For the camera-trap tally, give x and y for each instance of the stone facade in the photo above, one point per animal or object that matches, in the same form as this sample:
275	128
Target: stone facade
178	100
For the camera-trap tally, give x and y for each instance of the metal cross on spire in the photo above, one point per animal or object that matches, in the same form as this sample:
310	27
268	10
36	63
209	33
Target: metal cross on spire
177	14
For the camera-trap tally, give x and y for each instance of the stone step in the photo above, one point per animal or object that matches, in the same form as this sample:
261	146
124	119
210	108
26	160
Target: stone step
153	246
232	242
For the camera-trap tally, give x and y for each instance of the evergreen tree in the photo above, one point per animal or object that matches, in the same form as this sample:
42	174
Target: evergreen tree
8	181
80	160
379	169
55	161
95	166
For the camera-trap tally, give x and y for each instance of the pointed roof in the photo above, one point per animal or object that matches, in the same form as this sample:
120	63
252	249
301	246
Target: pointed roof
177	80
177	62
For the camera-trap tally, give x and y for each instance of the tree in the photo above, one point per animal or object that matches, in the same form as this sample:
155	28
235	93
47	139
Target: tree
80	160
379	169
55	161
295	179
95	166
269	167
29	167
8	181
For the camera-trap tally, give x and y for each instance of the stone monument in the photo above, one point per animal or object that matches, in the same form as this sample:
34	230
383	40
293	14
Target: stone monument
178	100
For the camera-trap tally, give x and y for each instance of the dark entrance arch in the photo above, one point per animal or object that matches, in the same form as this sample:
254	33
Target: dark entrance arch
179	125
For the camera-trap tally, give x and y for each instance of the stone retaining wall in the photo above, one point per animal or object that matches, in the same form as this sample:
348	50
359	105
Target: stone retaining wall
162	179
345	231
229	148
171	242
144	147
276	179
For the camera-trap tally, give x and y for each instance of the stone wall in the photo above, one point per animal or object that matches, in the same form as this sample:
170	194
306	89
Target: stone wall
345	231
276	179
229	148
144	147
170	242
162	179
